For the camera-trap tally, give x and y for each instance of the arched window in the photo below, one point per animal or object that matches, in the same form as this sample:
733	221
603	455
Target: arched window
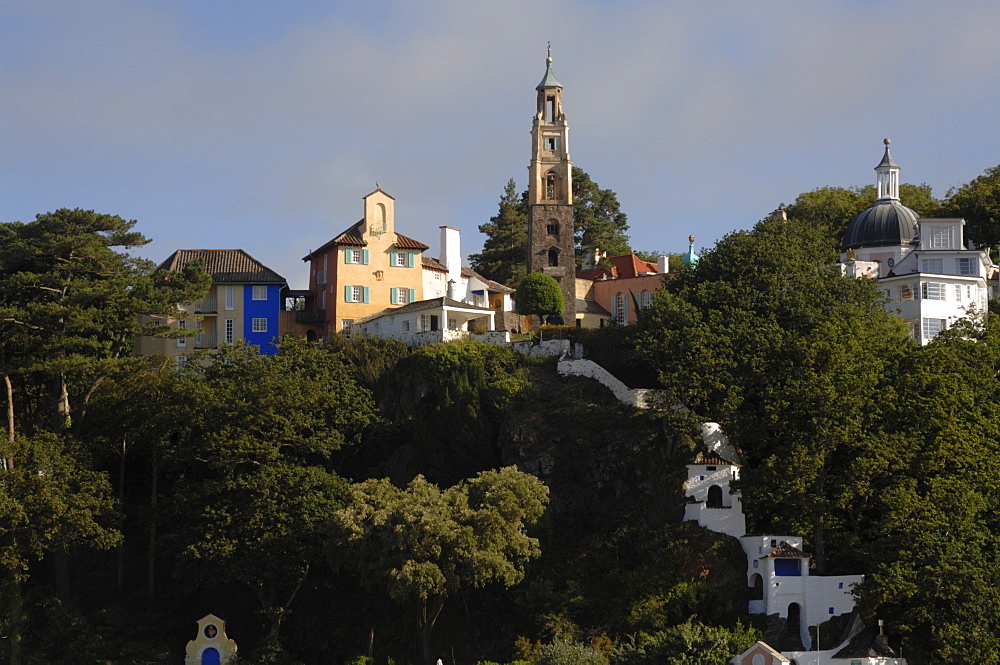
553	257
756	587
715	497
550	186
552	228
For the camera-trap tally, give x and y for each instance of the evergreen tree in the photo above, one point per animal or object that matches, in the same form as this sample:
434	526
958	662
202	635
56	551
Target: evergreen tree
505	252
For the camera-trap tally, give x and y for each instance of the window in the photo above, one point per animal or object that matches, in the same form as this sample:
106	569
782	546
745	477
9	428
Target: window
840	585
965	266
931	327
913	326
477	299
355	293
551	142
619	312
553	257
452	324
550	186
182	361
932	265
904	292
942	237
182	325
230	330
400	259
347	325
437	277
230	297
259	324
401	295
406	326
645	299
259	292
958	293
933	291
552	229
831	610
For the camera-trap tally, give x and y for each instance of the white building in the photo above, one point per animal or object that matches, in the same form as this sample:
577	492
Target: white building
447	277
777	572
930	275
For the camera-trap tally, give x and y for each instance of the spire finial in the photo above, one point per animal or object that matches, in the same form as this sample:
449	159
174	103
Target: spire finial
886	142
548	58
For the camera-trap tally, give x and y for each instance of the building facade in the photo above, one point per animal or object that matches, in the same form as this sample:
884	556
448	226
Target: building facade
244	303
931	275
365	269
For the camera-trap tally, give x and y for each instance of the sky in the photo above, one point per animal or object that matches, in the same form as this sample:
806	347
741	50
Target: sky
261	125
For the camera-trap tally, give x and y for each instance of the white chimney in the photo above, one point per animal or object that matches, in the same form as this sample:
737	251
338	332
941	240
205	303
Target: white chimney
451	256
451	289
663	264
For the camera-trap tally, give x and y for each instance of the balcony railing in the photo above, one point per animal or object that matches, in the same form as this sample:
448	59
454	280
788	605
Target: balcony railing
310	316
320	277
206	306
205	341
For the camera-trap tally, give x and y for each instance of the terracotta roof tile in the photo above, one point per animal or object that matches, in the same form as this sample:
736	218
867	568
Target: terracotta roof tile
469	273
786	551
626	265
233	266
432	264
404	242
715	459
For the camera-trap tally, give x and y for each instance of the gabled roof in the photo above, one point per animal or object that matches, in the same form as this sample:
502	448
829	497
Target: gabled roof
714	459
624	266
866	644
433	264
226	266
352	238
786	551
469	273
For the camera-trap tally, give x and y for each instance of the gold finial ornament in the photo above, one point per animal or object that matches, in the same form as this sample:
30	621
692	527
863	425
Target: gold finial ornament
548	58
886	142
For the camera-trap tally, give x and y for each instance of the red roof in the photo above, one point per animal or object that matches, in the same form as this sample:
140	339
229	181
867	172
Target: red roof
627	265
786	551
352	237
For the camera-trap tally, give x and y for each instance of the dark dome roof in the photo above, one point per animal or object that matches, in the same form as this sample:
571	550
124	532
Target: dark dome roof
884	224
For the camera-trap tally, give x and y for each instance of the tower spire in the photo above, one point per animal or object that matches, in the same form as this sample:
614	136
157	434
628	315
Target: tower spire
887	176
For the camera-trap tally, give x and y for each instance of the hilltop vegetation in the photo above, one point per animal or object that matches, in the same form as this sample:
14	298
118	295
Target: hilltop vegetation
136	497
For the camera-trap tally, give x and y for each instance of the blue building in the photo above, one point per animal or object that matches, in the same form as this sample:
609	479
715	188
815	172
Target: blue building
244	303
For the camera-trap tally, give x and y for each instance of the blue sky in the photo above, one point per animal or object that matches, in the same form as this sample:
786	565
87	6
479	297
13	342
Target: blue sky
261	125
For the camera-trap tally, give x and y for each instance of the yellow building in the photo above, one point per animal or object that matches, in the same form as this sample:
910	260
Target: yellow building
365	269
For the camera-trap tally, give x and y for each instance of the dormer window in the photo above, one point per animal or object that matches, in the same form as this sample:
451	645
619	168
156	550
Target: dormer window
941	237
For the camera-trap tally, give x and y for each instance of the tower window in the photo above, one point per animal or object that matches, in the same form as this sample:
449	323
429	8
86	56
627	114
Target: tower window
553	229
553	257
550	186
550	108
552	143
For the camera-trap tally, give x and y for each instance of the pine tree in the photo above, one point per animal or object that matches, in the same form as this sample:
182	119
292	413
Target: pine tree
504	256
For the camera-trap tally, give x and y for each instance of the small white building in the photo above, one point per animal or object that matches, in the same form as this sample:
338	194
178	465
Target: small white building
447	277
931	276
777	570
429	321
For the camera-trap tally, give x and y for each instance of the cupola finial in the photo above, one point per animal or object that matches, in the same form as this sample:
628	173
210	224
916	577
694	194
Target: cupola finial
887	176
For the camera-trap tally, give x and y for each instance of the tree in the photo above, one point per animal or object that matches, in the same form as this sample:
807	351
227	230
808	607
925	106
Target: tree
831	209
425	544
505	252
978	202
538	294
793	359
72	304
598	220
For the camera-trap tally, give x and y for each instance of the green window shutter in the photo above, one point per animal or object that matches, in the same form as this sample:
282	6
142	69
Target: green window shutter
347	255
392	259
364	256
348	290
393	300
409	259
413	294
366	293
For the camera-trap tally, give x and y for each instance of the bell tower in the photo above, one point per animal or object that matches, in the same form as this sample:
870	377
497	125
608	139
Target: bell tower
550	193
